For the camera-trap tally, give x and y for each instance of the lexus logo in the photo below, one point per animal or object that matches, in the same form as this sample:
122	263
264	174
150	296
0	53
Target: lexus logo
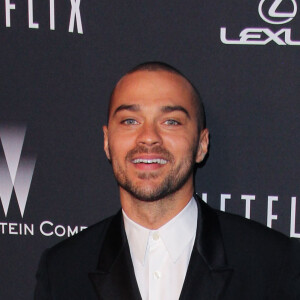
16	169
271	11
274	14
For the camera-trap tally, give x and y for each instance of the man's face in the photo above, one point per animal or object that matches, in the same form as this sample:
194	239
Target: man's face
152	138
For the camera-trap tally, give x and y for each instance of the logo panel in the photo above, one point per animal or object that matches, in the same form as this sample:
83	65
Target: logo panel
275	15
270	11
16	170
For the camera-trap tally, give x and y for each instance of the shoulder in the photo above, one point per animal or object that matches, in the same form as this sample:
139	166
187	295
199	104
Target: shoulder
248	231
238	230
84	245
258	244
251	246
63	269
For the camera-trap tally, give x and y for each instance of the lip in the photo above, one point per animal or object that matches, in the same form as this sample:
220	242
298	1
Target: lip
149	156
143	162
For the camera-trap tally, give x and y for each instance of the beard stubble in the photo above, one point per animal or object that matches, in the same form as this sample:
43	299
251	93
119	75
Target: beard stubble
170	184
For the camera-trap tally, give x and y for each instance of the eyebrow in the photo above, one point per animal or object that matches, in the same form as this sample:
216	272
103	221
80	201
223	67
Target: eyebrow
132	107
167	109
164	109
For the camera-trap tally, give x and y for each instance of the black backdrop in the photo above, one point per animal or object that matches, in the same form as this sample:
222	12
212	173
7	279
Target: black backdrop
58	66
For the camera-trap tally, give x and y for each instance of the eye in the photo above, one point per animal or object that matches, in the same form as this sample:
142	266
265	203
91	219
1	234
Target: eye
172	122
129	122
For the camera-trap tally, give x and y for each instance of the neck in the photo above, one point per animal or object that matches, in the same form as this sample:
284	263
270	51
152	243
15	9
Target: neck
153	215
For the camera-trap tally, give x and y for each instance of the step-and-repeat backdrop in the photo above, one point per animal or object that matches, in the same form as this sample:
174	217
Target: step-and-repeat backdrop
59	62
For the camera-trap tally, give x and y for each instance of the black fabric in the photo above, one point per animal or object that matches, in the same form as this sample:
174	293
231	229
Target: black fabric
233	258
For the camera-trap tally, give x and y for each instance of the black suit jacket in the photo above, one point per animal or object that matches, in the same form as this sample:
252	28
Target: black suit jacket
232	258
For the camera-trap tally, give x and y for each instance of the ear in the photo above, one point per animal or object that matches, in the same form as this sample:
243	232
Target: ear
203	145
106	146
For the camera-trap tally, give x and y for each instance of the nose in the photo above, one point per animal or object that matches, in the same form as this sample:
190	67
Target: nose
149	135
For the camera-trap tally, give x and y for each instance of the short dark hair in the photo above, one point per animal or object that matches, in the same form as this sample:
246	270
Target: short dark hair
161	66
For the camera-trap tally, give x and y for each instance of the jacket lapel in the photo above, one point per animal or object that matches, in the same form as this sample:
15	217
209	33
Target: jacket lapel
114	277
207	277
208	274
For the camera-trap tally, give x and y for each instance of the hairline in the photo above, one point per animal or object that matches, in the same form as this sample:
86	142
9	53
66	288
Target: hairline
163	67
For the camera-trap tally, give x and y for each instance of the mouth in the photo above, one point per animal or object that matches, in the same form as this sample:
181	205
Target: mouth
149	164
159	161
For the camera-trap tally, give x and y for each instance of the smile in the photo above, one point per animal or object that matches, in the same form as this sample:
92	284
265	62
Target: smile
150	161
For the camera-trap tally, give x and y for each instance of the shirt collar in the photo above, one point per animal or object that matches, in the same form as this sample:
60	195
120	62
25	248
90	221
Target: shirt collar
176	234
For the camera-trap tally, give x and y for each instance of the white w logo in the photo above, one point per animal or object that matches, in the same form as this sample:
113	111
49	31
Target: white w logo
15	171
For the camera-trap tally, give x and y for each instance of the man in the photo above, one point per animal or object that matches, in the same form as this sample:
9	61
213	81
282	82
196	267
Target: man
166	243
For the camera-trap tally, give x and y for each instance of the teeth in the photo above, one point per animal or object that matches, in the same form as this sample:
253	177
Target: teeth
150	161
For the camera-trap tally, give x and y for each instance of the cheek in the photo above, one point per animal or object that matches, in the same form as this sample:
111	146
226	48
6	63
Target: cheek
179	144
119	146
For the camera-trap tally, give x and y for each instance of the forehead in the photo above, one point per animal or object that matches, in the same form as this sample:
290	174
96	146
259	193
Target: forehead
152	88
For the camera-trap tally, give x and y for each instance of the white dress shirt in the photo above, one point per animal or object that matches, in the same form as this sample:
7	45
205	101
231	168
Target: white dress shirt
161	257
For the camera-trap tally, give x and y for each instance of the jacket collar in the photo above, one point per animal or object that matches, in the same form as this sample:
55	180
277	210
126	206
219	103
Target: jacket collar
114	277
208	273
209	241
